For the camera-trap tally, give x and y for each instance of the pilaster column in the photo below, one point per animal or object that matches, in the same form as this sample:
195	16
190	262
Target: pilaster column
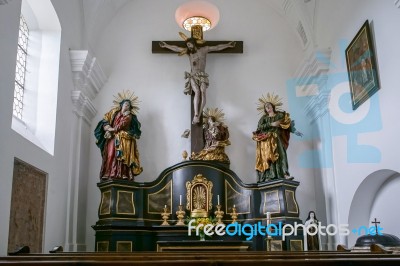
313	76
88	79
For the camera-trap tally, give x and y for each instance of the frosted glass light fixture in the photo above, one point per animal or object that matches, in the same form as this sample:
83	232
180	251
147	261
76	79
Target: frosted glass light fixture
192	21
198	12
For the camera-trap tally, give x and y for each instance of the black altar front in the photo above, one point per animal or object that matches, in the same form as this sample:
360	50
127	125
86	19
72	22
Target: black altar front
130	212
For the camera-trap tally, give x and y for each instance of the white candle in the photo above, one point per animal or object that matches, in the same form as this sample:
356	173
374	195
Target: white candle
268	218
180	199
218	199
165	206
234	206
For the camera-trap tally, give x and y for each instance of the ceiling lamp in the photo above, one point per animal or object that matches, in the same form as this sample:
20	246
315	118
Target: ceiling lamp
195	13
192	21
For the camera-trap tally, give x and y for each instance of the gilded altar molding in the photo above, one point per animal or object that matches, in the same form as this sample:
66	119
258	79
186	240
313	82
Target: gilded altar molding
291	204
271	202
199	196
157	200
235	198
102	246
105	204
124	246
125	202
296	245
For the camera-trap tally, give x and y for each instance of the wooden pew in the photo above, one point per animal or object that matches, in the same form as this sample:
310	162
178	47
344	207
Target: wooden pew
209	258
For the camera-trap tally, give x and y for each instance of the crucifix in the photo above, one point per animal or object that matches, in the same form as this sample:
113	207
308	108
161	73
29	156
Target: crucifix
197	79
375	222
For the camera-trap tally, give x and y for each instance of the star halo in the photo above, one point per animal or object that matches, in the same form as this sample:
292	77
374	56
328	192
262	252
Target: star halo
130	96
214	112
269	98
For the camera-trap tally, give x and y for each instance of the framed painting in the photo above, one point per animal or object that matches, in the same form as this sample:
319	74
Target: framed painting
361	67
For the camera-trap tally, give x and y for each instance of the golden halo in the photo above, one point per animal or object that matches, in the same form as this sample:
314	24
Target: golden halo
270	98
214	112
130	96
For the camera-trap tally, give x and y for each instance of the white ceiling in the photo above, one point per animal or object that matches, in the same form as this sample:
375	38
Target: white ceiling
299	14
97	14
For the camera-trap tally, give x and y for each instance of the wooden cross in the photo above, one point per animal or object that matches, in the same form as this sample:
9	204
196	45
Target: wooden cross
376	225
156	49
197	139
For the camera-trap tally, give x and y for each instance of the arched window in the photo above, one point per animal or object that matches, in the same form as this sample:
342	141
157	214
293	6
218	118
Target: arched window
20	71
36	79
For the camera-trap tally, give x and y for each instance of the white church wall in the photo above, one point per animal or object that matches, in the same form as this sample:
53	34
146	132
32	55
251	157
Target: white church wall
271	55
384	206
69	13
13	145
371	200
9	21
325	193
363	140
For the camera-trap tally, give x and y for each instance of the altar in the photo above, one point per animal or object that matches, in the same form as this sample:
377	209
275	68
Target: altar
144	216
202	190
205	246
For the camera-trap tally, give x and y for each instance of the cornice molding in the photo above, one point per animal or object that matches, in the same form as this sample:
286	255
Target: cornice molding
83	106
296	15
88	75
313	72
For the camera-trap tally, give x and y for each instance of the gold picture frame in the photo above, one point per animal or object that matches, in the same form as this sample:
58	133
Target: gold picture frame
361	67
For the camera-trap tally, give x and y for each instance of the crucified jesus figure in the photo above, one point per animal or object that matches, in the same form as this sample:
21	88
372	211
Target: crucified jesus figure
197	79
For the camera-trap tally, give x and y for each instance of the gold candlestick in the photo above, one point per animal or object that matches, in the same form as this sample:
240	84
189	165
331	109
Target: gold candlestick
180	213
234	214
165	216
219	214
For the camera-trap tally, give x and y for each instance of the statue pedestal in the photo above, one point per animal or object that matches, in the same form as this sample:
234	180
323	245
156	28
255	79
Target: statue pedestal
118	202
278	197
